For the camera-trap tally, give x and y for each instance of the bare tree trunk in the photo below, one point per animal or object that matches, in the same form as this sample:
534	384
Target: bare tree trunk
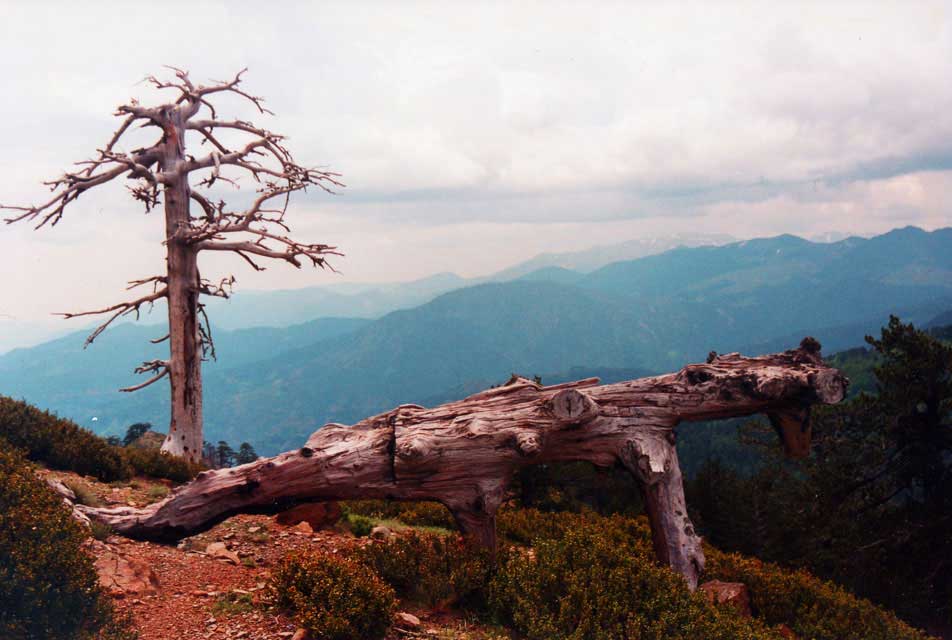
185	436
257	232
464	454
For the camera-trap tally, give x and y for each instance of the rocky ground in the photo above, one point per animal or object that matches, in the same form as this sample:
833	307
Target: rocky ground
214	585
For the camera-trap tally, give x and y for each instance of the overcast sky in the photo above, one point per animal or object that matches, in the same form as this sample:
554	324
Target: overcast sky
473	135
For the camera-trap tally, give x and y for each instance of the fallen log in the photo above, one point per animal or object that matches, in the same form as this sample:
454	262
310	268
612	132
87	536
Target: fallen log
464	454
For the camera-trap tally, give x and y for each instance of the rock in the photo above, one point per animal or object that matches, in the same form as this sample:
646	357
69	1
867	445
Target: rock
255	529
300	634
220	550
381	532
319	515
303	528
730	593
407	620
120	575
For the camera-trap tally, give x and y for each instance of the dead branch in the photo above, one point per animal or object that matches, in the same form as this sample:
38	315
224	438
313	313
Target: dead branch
117	311
160	367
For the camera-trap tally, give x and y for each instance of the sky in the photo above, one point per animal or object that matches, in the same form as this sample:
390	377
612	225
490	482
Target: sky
474	135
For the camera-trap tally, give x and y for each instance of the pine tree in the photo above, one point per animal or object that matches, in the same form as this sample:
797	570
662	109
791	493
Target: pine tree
135	431
246	454
225	454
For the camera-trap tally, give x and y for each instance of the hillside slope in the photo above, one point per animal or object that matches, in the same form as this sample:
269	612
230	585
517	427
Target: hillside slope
273	387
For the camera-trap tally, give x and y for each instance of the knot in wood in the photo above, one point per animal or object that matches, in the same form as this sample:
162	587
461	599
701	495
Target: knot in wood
528	444
412	449
571	406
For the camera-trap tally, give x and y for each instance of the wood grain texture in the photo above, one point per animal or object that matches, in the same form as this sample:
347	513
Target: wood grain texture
464	454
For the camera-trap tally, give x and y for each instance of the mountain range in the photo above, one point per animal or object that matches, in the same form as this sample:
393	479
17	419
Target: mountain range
272	386
372	300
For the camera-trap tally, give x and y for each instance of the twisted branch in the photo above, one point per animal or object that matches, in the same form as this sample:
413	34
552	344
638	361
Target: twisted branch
160	367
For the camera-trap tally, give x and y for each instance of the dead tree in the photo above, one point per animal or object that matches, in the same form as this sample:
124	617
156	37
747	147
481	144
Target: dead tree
464	454
165	173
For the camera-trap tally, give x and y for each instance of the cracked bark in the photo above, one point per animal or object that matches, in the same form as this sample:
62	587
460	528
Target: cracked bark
464	454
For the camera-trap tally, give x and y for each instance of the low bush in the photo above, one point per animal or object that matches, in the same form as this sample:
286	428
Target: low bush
332	597
229	604
59	443
62	444
48	586
156	464
157	492
811	607
360	526
435	570
585	584
417	514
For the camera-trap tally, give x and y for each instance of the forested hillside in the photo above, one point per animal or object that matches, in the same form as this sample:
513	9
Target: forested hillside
273	386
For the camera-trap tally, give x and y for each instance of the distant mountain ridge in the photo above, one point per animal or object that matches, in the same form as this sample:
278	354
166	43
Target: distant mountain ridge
372	300
272	387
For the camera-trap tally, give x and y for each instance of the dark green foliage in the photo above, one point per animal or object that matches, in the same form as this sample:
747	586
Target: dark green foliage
246	453
48	587
62	444
811	607
225	455
360	526
433	569
135	431
332	597
872	506
574	486
592	582
59	443
596	576
157	464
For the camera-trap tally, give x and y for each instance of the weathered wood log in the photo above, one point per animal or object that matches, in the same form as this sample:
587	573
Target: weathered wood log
464	454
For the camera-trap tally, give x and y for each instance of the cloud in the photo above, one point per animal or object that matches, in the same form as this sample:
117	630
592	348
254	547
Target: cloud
473	135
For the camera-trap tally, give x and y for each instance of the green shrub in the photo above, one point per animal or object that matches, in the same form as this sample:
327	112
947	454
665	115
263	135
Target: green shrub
157	464
360	526
433	569
418	514
48	587
811	607
231	603
59	443
332	597
157	492
590	584
99	530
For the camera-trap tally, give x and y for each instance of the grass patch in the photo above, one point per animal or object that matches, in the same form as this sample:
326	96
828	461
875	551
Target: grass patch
157	492
100	531
84	493
230	604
